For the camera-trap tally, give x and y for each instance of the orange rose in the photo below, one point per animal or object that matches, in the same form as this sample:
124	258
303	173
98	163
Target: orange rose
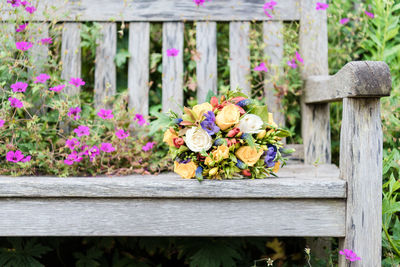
185	170
169	136
249	155
228	116
221	153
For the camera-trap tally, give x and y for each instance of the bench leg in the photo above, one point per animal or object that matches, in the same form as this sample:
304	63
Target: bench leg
361	165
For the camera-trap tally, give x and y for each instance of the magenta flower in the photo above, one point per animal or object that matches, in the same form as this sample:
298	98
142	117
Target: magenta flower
140	119
23	46
269	5
17	156
105	114
15	102
148	146
292	63
369	14
107	147
42	78
14	3
82	130
73	157
350	255
26	159
46	41
19	87
121	134
172	52
77	82
72	143
92	152
25	3
30	9
321	6
344	21
199	2
74	113
57	88
2	123
299	58
261	67
21	27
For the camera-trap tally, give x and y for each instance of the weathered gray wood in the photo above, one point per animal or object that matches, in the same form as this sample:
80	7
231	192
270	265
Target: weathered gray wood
9	30
165	10
239	53
295	181
171	217
314	51
361	165
138	71
355	79
298	154
273	40
105	75
71	56
206	45
38	52
172	78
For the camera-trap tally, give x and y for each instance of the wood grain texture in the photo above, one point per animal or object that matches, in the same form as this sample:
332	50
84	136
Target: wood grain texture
172	78
295	181
314	50
239	56
361	165
71	55
171	217
206	70
355	79
273	40
138	69
165	10
38	52
105	75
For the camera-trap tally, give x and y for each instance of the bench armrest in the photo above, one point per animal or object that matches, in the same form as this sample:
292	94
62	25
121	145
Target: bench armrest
355	79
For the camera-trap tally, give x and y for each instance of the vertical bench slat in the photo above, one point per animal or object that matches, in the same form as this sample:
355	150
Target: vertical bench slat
105	76
71	55
239	51
273	39
38	52
172	78
138	69
206	45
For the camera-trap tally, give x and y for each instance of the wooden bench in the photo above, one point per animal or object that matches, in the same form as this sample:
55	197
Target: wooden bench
305	200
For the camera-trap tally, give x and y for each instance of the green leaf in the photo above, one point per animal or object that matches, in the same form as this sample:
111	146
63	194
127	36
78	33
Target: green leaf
261	111
121	57
282	133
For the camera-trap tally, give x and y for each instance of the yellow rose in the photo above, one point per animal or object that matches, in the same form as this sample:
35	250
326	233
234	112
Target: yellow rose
249	155
221	153
169	136
271	120
228	116
185	170
200	109
207	161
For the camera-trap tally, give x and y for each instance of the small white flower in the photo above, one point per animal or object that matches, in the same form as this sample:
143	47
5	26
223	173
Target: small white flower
198	139
250	123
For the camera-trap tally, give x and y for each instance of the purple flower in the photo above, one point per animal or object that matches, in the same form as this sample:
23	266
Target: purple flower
2	123
46	41
15	102
344	21
321	6
72	143
21	27
14	3
172	52
77	82
350	255
17	156
261	67
148	146
74	113
121	134
42	78
208	124
30	9
57	88
299	58
105	114
19	87
23	46
92	152
82	130
107	147
369	14
140	119
270	155
292	63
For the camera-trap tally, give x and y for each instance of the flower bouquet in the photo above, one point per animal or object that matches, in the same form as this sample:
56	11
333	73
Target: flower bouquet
225	138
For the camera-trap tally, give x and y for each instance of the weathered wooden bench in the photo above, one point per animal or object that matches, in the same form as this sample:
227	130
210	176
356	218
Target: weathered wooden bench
306	200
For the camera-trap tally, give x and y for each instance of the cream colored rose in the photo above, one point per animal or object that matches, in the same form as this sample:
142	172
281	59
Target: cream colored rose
200	109
198	139
227	117
250	123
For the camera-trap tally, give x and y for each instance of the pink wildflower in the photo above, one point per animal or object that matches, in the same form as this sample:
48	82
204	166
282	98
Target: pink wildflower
107	147
369	14
74	113
344	21
72	143
105	114
25	3
93	152
73	157
292	63
2	123
14	3
46	41
172	52
148	146
30	9
21	27
270	5
26	159
17	156
82	130
261	67
321	6
15	102
19	87
199	2
299	58
77	82
121	134
57	88
23	46
350	255
140	119
42	78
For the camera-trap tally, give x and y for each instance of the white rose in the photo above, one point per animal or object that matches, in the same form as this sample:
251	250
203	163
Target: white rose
250	123
198	139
